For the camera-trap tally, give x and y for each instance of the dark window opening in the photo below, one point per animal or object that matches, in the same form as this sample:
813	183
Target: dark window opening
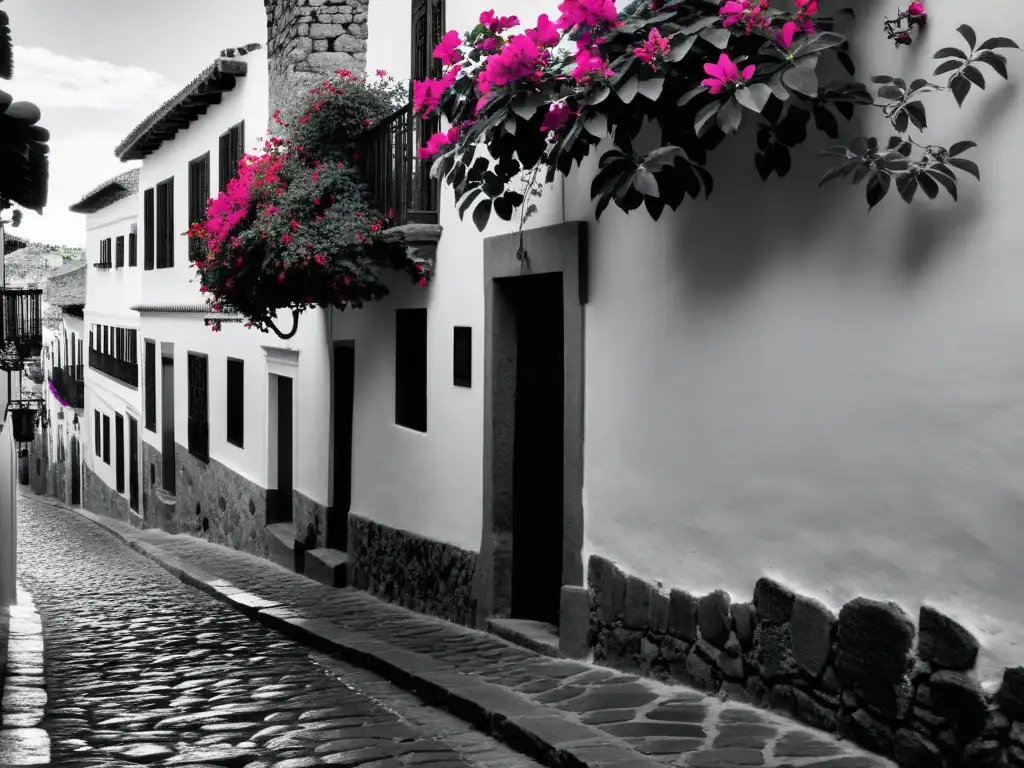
133	250
231	148
98	439
119	452
198	408
106	439
165	224
411	368
236	402
119	252
148	229
150	385
198	197
462	357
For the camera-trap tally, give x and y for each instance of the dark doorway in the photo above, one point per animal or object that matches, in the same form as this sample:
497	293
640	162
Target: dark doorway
167	422
133	464
119	452
344	386
537	466
76	472
282	498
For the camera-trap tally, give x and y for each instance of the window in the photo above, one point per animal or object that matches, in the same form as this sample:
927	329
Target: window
148	228
165	224
150	385
133	250
236	402
115	353
198	406
462	357
80	366
231	149
411	369
198	196
119	252
105	253
106	340
106	439
99	435
119	452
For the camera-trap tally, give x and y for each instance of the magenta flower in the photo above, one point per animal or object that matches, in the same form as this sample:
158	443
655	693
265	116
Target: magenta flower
519	59
557	116
498	24
427	94
437	142
785	37
589	64
545	35
656	47
750	12
917	12
724	73
586	13
448	49
805	9
488	44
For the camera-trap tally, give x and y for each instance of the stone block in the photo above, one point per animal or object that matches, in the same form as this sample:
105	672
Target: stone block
982	753
815	713
284	548
945	642
811	628
701	672
328	566
637	610
773	601
874	642
348	44
325	30
872	733
612	600
774	651
1011	693
659	612
574	622
913	750
959	698
714	618
743	621
682	615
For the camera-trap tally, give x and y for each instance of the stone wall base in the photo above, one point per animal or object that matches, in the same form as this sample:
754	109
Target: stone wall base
857	674
415	572
100	498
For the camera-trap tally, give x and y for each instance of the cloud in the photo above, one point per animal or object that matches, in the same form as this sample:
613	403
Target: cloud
53	80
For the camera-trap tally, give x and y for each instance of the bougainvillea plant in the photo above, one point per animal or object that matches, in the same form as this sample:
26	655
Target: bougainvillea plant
294	230
541	97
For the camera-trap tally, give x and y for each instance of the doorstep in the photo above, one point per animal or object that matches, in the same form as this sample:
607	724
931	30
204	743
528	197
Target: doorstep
537	636
328	566
285	550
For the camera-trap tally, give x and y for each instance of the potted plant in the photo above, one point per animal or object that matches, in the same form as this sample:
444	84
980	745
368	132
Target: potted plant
23	422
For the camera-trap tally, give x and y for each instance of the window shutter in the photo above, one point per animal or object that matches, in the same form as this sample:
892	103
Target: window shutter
133	250
169	226
147	229
120	251
224	160
238	146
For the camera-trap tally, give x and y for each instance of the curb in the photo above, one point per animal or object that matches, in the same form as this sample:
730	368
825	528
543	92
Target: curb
532	729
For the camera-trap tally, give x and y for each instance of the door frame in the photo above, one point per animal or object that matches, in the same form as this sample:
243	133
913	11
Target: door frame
280	363
557	248
338	539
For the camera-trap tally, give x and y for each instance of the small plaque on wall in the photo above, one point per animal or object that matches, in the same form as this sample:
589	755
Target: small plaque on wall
462	366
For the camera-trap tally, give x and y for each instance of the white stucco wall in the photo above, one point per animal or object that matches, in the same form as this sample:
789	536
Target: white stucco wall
112	292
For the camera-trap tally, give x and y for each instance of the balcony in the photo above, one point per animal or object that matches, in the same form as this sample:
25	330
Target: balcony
123	371
398	180
70	385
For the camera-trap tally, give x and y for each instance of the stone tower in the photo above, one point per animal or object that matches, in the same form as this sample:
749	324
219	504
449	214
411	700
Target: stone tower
308	40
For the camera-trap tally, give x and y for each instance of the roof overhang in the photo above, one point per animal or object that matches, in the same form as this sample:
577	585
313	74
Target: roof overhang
109	192
24	166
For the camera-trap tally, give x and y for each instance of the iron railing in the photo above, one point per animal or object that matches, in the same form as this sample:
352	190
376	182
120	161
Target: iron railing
23	320
69	384
399	182
121	370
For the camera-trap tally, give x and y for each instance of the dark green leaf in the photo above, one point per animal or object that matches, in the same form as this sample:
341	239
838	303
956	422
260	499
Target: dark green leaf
654	207
703	117
730	115
503	207
763	165
966	165
862	170
754	97
877	188
946	181
514	198
890	92
703	23
598	95
907	186
628	90
780	159
947	53
527	108
467	201
919	83
764	135
997	42
947	66
687	97
778	89
960	87
645	183
663	156
968	35
881	79
996	61
606	181
836	172
681	47
706	180
960	147
826	122
717	37
845	109
917	115
928	184
901	121
651	89
802	80
974	75
818	43
481	214
493	186
847	62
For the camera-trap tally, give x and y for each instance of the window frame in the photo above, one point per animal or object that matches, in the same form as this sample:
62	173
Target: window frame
235	405
198	421
165	234
411	368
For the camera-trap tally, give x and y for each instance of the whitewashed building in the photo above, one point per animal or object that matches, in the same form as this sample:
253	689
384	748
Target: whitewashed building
109	346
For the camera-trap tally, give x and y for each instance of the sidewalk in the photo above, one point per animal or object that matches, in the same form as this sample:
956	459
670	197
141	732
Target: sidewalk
562	713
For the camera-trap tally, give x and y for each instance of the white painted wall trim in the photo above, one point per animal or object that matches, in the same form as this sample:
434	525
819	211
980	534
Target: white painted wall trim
282	362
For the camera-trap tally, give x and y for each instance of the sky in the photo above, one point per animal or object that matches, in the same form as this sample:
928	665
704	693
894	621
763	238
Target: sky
96	69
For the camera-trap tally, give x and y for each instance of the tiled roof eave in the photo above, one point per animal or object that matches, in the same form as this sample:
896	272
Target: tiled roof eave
109	192
182	109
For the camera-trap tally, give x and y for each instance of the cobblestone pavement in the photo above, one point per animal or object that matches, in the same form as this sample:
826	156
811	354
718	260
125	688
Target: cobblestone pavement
672	724
140	668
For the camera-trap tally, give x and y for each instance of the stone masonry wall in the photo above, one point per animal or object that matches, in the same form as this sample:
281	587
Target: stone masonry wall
39	463
858	674
308	39
100	498
151	459
219	505
418	573
310	520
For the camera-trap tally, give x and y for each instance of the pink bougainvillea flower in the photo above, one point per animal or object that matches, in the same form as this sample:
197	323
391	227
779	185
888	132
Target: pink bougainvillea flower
437	142
805	10
586	13
557	116
382	73
655	47
724	73
917	12
448	49
519	59
426	94
488	44
751	13
498	24
785	37
588	65
545	34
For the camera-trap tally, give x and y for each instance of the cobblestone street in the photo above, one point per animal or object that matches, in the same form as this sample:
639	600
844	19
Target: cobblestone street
140	668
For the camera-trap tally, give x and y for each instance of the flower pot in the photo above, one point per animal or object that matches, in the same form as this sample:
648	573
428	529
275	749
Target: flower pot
23	421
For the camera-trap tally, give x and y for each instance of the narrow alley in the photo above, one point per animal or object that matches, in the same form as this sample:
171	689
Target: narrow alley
140	668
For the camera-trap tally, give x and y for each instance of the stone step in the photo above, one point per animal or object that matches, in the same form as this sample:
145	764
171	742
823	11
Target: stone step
328	566
537	636
285	549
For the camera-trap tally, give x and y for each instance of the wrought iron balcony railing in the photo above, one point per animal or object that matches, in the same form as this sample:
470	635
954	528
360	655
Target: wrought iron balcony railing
399	182
121	370
69	385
